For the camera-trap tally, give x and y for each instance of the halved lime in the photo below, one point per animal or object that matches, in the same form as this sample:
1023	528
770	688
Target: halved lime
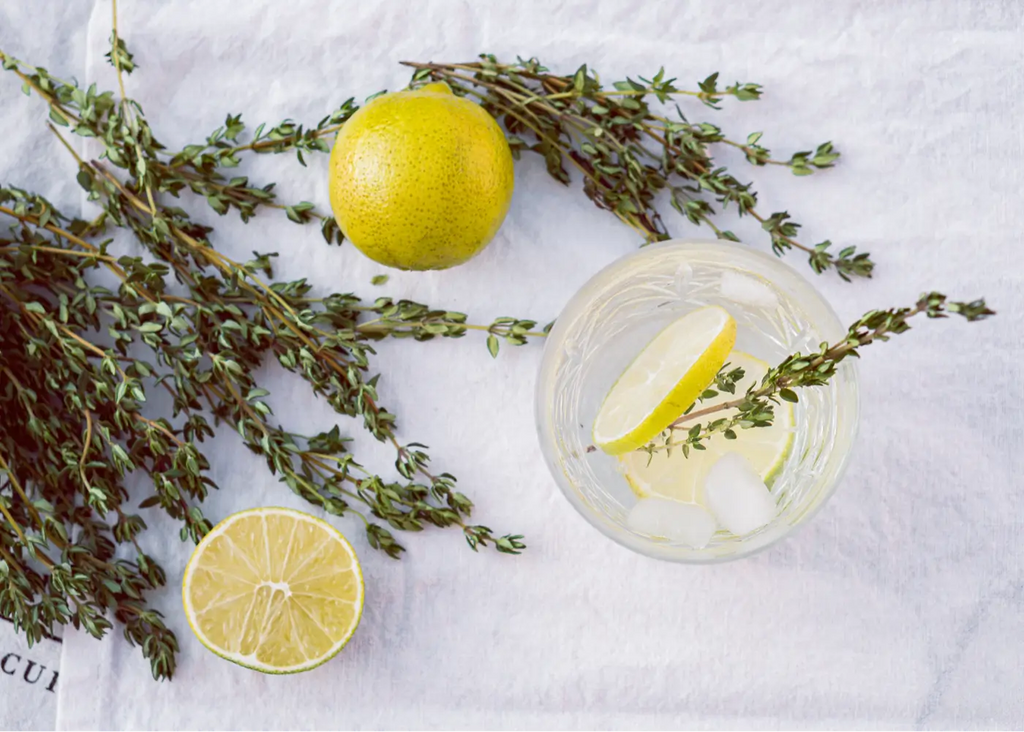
670	474
274	590
668	375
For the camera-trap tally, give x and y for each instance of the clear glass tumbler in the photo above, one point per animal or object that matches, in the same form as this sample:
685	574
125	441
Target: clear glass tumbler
608	322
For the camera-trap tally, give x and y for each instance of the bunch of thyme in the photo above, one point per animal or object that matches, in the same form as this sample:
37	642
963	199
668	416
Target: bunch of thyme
74	423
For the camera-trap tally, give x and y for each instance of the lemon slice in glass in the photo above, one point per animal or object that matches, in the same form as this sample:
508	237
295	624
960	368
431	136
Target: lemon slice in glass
666	378
675	476
274	590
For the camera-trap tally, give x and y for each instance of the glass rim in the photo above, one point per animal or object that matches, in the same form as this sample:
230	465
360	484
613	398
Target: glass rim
760	263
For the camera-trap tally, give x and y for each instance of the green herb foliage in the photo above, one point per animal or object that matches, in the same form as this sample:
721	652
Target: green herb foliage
628	151
82	361
756	408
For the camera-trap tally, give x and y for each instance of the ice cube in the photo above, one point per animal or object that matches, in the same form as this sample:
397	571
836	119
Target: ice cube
682	278
737	496
686	523
737	287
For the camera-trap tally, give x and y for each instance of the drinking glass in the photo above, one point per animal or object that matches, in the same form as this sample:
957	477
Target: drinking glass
609	321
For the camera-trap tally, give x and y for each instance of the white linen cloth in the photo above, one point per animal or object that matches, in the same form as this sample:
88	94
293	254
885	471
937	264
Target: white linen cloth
29	681
900	605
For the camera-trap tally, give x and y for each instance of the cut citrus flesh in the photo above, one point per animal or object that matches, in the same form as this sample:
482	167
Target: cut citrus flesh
670	474
664	379
274	590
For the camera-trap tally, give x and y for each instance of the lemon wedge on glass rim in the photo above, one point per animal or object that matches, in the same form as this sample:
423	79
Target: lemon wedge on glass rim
664	379
675	476
274	590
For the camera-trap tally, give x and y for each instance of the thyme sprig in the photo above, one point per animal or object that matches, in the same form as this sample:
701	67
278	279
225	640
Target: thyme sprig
628	152
756	407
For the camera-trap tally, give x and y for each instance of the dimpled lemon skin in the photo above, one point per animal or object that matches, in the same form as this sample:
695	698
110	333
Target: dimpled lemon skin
421	179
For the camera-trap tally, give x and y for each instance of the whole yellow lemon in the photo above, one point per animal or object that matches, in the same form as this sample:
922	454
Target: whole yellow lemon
420	179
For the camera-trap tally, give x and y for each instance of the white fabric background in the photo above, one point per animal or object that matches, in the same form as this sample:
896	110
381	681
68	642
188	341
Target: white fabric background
27	700
899	606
